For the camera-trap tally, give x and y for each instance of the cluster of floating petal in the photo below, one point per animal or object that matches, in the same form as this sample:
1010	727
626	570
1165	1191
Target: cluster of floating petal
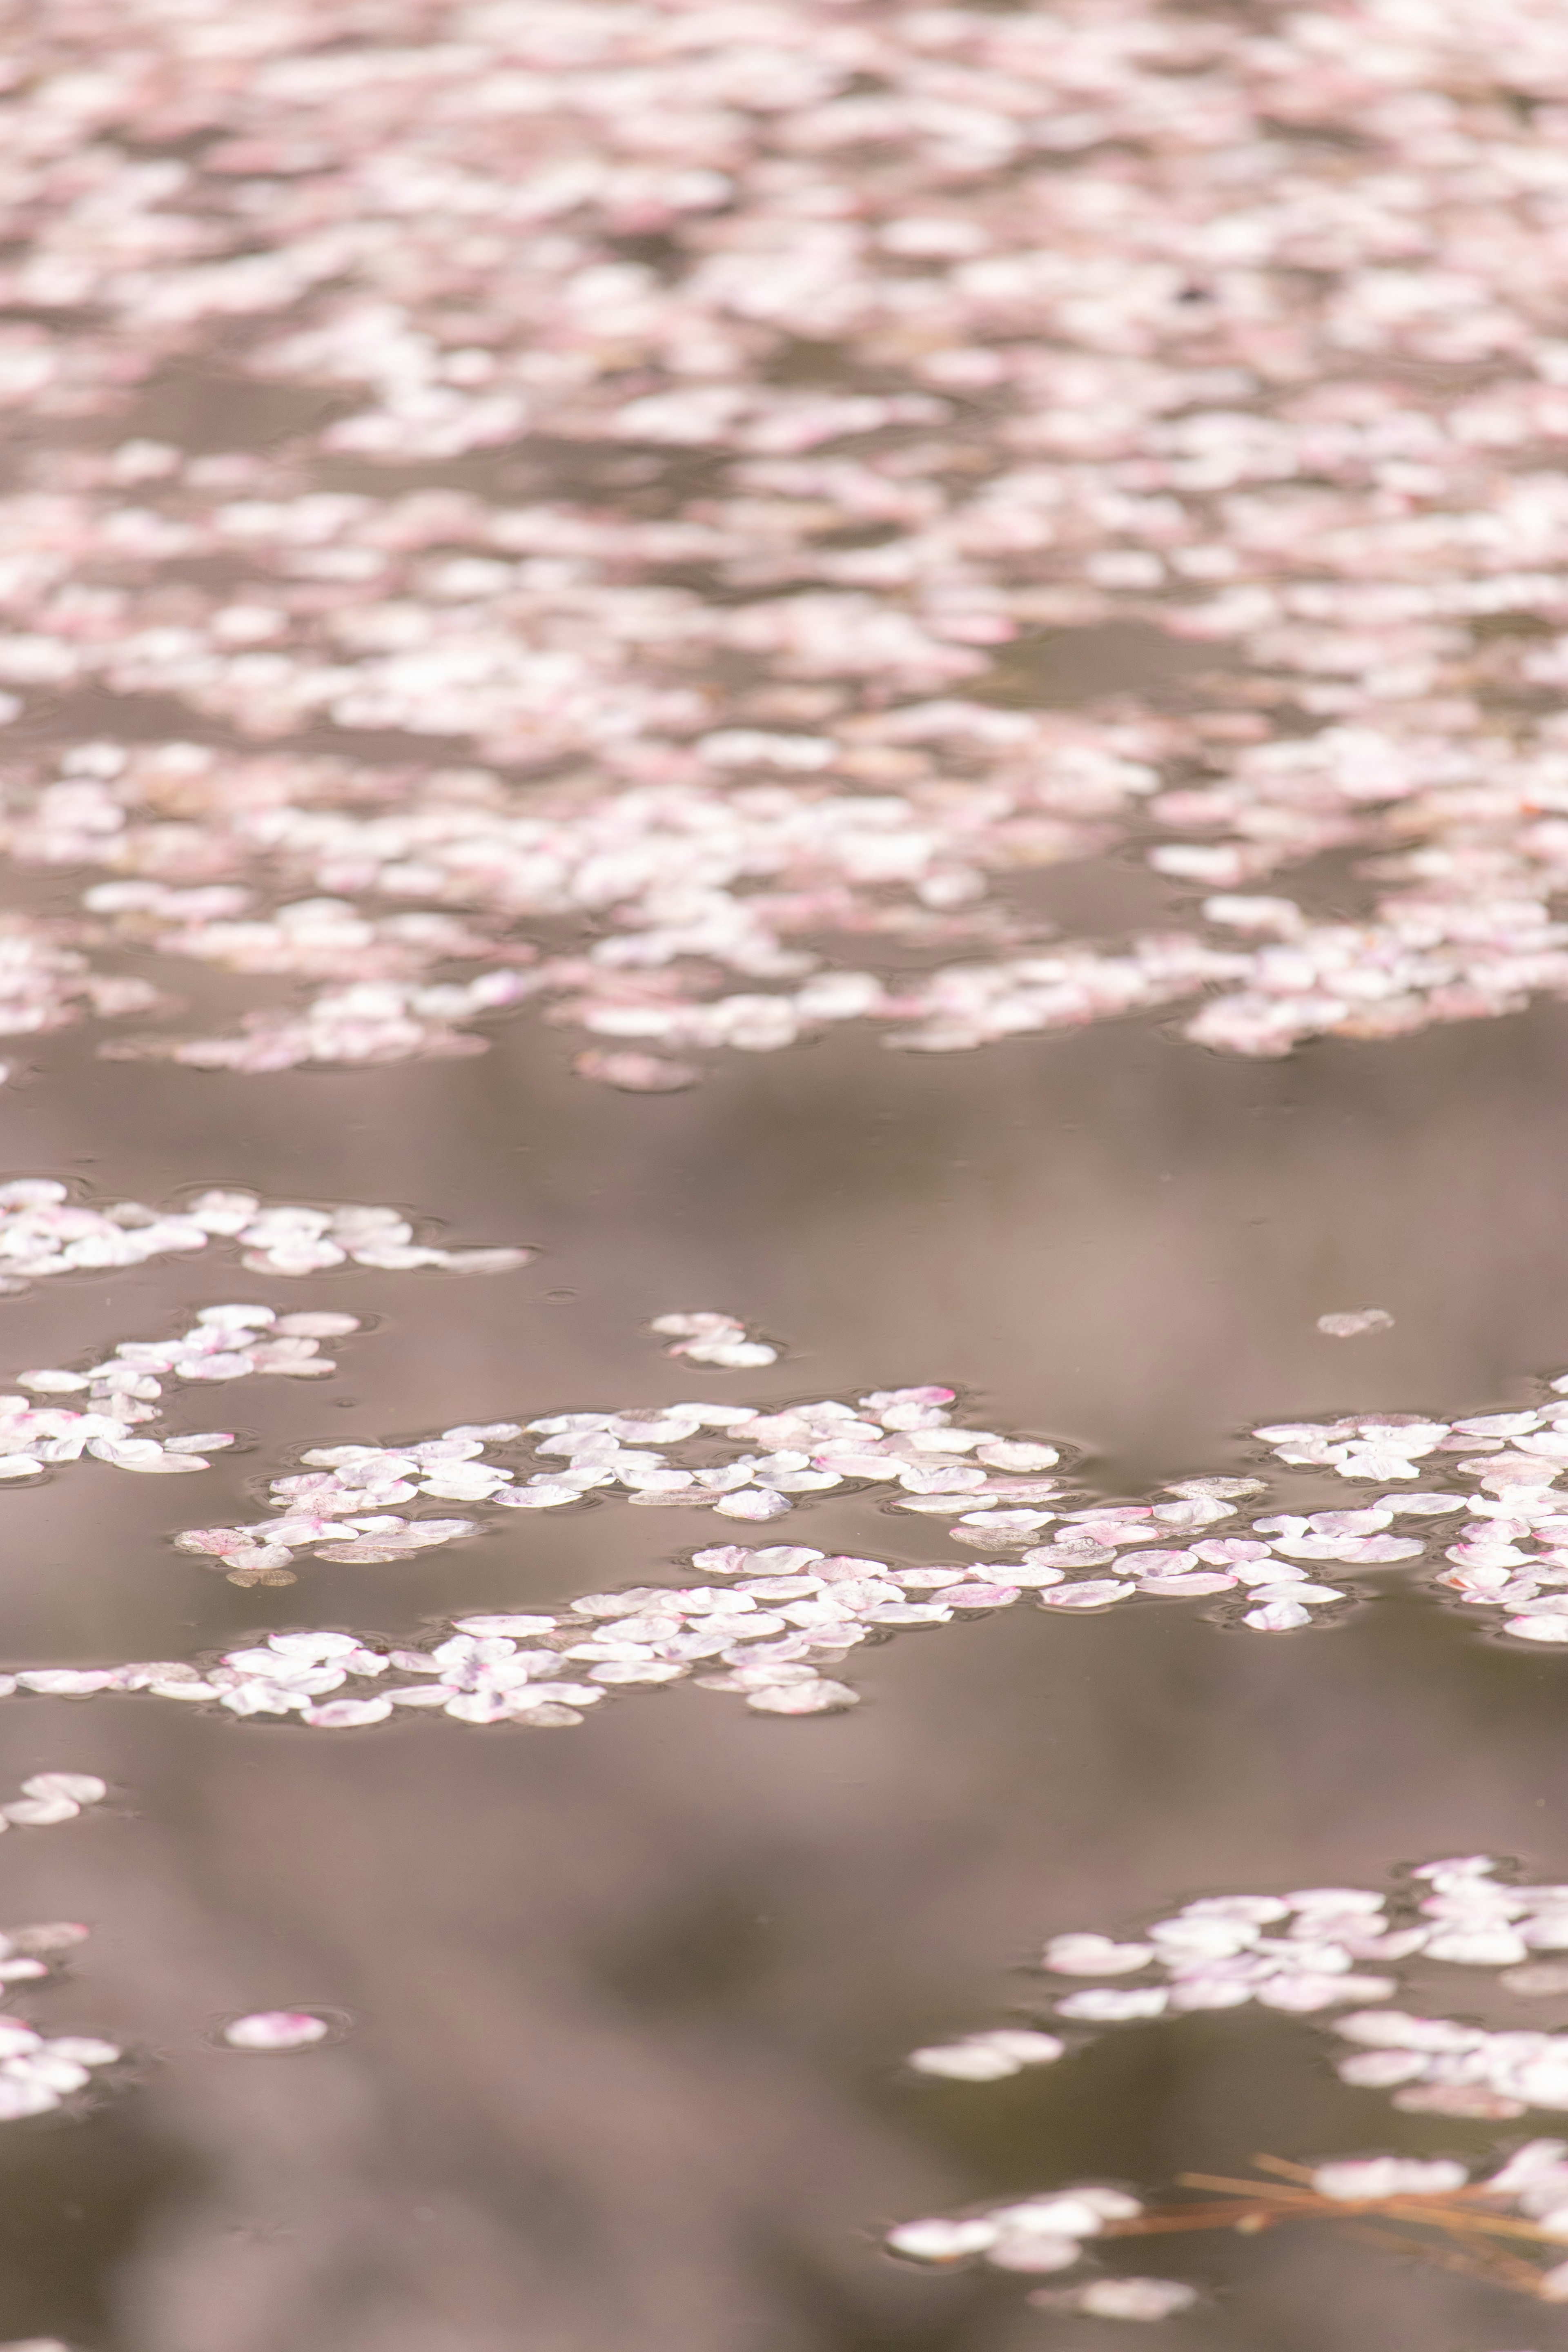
123	1392
1394	1446
45	1232
1509	1554
482	1673
1303	1953
1354	1323
908	336
780	1613
994	1490
764	1635
37	2073
1434	2065
705	1338
47	983
904	1439
990	2056
1300	1953
49	1797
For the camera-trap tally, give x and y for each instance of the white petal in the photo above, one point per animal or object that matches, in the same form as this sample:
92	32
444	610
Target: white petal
1095	1955
1278	1617
275	2028
753	1503
1095	1592
1106	2007
942	2242
19	2097
1134	2298
964	2061
802	1698
1028	2252
81	1787
1361	2181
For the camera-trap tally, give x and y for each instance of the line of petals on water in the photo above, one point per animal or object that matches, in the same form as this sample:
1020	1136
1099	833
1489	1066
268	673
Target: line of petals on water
45	1232
905	1442
992	1488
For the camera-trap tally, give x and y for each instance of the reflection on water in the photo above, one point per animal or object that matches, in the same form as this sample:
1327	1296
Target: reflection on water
672	543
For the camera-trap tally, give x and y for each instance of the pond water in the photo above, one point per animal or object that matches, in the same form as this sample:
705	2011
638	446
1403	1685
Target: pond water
892	673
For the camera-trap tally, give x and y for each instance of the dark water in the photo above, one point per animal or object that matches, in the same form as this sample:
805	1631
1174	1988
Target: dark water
630	2005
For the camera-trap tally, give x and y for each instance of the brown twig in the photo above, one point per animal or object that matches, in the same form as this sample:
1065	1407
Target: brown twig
1460	2216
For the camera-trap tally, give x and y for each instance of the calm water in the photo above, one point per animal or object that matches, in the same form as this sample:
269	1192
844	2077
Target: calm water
622	2018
